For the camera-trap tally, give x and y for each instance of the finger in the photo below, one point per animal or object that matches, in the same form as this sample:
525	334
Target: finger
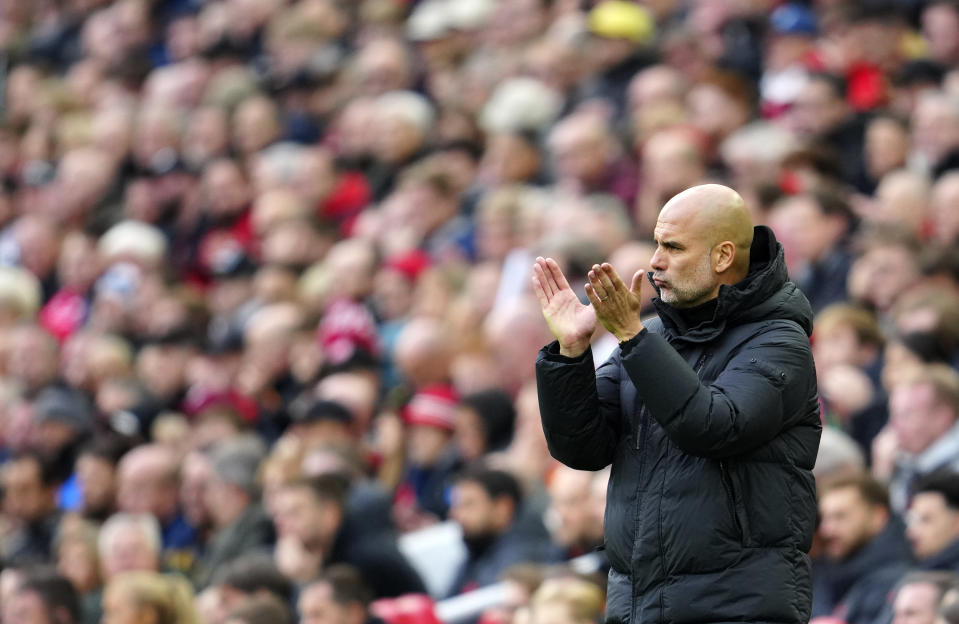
557	274
594	280
637	285
593	297
603	277
616	283
547	277
541	276
540	293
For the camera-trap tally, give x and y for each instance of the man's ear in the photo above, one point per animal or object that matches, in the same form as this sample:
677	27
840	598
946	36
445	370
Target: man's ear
724	255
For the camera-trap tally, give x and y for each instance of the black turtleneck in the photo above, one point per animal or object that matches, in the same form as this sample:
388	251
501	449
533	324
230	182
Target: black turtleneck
696	315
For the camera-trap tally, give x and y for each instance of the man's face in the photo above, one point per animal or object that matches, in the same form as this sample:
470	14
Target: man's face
818	109
682	264
296	514
142	488
472	509
25	497
129	550
26	607
915	417
97	482
916	604
889	270
316	606
848	522
805	233
932	524
569	494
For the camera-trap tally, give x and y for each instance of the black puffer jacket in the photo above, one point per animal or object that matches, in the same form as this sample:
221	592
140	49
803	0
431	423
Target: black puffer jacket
712	433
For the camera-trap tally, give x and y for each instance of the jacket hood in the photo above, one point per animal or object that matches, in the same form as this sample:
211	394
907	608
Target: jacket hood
764	294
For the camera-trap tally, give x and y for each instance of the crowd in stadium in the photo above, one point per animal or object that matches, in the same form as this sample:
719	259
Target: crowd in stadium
265	302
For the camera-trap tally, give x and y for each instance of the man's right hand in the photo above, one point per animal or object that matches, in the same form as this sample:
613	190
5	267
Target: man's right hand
571	322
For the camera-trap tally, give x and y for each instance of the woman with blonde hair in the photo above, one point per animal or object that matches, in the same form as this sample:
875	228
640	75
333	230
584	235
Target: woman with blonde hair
148	598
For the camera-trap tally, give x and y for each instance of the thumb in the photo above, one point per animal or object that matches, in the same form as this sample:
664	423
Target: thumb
637	285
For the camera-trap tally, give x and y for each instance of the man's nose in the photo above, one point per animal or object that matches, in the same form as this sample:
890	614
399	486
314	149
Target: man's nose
656	262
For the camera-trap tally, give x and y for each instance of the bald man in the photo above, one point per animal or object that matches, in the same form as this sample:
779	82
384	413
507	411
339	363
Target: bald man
707	414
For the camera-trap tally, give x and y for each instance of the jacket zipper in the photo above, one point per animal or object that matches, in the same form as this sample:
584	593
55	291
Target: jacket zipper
731	495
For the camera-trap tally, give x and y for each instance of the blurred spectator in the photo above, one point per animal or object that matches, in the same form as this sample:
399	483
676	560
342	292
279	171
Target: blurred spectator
822	113
933	521
484	424
587	158
129	542
138	596
886	266
238	520
847	349
147	483
29	504
940	22
923	433
312	533
919	595
864	551
247	577
261	610
486	504
945	225
814	229
338	595
422	495
567	601
573	523
43	596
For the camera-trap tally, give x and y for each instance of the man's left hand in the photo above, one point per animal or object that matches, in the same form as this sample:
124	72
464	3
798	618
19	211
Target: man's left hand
617	307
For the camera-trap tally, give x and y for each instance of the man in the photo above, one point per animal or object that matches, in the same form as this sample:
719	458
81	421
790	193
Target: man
864	551
339	596
128	542
574	526
940	30
813	228
821	113
43	597
239	523
708	416
311	533
29	502
919	596
486	504
924	420
933	521
147	482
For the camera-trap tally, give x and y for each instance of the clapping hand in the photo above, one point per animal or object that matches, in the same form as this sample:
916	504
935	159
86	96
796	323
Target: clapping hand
617	307
571	322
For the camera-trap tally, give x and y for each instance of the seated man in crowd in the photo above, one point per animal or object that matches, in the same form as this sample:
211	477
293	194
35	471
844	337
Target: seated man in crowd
919	596
486	505
312	534
42	597
864	550
924	423
933	521
338	595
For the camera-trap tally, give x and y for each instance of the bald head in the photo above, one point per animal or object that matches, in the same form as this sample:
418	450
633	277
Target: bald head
703	237
717	213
